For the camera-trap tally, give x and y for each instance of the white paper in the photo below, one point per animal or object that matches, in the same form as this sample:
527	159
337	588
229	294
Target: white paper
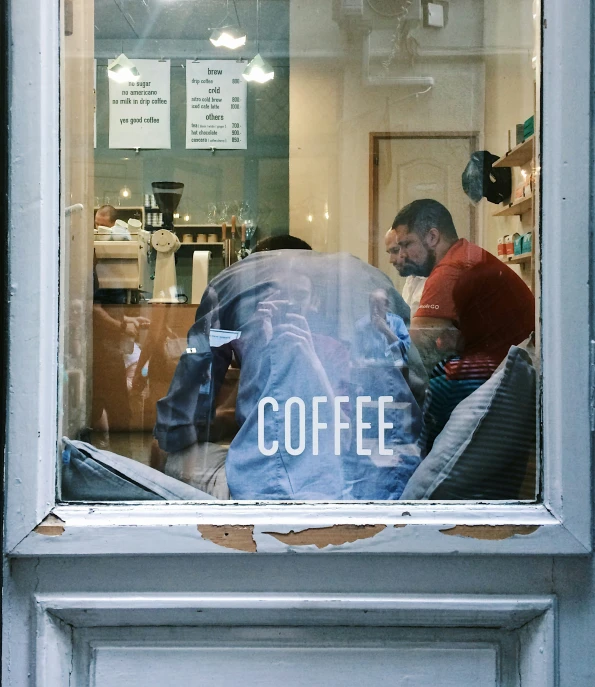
200	274
139	113
215	104
220	337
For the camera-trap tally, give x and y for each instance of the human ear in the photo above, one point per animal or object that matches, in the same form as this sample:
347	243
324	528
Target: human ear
432	238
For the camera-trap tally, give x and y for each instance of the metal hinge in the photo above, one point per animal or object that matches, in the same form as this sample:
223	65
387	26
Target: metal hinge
592	383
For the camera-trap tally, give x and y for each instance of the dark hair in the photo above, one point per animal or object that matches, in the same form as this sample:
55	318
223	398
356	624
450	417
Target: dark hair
422	215
110	210
280	242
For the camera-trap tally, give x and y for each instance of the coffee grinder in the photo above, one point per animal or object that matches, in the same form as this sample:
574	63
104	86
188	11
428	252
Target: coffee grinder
167	195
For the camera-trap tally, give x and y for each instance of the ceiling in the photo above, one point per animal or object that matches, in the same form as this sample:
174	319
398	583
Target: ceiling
186	19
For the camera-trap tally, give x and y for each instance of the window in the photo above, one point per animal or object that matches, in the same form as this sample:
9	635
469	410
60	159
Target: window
306	268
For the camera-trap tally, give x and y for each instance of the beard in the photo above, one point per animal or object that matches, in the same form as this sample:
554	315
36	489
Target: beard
413	269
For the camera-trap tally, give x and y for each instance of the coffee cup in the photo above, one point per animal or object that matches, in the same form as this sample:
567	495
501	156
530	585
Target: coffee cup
187	238
134	225
201	238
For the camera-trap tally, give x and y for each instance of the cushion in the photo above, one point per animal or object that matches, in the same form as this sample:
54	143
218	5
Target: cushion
483	451
91	474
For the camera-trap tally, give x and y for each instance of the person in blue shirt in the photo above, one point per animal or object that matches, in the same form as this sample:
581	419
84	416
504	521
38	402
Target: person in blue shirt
315	421
381	335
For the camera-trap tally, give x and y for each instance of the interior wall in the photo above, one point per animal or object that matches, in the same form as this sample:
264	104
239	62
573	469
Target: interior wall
455	104
483	83
333	113
318	48
258	175
510	97
221	177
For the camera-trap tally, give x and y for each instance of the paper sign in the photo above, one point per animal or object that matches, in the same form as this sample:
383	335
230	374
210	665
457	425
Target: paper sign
139	111
220	337
215	104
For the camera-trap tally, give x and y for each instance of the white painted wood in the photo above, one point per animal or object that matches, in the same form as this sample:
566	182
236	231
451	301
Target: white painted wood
434	645
407	528
554	643
338	664
565	237
427	610
34	220
33	317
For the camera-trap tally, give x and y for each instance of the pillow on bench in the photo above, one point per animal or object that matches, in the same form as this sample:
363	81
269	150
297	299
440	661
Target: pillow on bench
489	440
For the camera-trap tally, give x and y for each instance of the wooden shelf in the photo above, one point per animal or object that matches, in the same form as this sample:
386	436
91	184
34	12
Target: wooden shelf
519	155
121	207
520	259
518	208
179	227
201	243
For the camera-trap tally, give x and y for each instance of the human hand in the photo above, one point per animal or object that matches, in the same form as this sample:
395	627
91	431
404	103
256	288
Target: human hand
268	313
295	330
132	325
379	323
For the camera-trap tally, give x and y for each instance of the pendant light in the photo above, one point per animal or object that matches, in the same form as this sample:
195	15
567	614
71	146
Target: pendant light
228	34
122	69
258	70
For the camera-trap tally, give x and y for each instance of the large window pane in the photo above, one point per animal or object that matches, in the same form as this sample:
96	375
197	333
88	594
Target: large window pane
315	284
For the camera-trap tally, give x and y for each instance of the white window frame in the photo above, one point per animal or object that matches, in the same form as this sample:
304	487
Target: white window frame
37	526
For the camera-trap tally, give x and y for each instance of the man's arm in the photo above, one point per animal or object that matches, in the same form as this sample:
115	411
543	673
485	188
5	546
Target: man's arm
436	338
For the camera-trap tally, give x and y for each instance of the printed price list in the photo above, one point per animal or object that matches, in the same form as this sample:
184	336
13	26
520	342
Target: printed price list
216	104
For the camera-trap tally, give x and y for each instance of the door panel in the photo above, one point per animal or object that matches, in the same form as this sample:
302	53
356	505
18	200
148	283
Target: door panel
414	168
292	656
341	665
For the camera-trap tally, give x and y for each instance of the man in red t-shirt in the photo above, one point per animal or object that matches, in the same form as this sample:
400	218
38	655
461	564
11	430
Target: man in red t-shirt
473	307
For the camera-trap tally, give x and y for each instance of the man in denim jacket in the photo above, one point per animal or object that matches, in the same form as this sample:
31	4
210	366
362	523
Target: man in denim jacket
316	421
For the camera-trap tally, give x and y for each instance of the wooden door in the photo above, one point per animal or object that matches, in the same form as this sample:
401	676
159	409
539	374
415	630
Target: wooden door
407	168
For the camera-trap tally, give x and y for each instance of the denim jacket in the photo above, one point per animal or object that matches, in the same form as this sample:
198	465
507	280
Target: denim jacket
296	312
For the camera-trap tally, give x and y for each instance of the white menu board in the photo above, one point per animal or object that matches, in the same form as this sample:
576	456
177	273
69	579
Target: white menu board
215	104
139	112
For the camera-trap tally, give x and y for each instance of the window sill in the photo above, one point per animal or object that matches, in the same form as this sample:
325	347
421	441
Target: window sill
400	528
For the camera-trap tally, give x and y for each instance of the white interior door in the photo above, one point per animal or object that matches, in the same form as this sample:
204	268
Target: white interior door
414	168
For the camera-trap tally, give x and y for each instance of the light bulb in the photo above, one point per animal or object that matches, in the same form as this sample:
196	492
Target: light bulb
125	192
122	70
258	70
186	218
231	37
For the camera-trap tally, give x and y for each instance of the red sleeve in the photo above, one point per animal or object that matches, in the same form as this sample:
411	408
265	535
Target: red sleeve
437	298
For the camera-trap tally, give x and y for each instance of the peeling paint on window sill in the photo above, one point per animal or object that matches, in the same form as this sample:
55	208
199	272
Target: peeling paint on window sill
336	535
490	532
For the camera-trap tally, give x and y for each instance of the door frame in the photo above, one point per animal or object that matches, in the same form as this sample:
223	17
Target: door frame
373	166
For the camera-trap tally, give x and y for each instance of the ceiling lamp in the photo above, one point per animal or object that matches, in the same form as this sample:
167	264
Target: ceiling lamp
228	34
122	69
231	37
258	70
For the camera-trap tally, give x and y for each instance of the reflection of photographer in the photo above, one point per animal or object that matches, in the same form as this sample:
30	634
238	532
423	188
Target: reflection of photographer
290	317
381	335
